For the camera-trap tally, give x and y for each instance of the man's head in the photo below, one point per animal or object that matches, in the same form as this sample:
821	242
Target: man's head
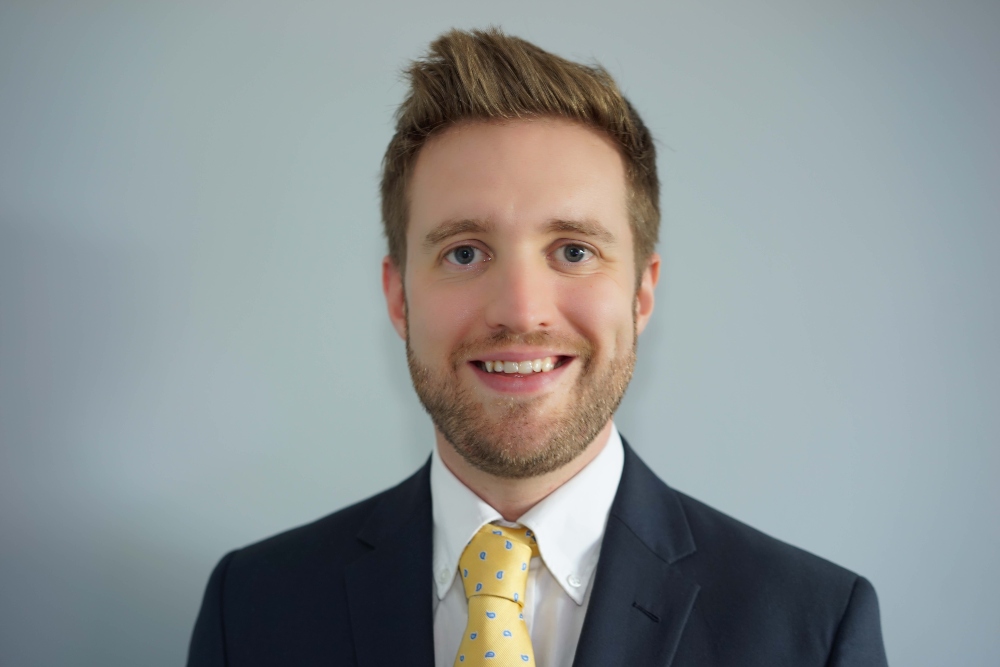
490	76
520	205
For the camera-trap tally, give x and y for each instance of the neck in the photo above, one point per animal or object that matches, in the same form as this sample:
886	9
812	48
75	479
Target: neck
513	497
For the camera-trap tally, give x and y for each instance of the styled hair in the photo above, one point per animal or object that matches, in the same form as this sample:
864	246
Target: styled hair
487	75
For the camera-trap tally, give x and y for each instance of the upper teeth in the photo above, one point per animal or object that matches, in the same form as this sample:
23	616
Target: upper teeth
528	366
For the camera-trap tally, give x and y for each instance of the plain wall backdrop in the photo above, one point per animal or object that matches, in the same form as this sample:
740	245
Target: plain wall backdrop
194	352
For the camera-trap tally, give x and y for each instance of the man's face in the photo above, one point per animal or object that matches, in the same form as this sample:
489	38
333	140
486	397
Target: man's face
519	251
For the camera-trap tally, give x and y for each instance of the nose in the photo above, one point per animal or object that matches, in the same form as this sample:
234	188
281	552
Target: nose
522	295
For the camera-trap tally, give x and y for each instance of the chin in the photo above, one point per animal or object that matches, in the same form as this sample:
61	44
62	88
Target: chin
516	448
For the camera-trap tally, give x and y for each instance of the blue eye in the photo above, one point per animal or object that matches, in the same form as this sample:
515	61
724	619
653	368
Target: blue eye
463	255
575	253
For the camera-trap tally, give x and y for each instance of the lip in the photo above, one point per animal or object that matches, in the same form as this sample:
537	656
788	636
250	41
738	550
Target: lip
515	383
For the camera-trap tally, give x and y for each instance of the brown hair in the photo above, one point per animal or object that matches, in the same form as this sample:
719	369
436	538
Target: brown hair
487	75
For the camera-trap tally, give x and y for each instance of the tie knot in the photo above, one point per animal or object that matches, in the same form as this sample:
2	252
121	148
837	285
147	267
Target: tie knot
495	562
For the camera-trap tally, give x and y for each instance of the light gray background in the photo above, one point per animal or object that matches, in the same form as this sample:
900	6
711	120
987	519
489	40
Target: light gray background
194	352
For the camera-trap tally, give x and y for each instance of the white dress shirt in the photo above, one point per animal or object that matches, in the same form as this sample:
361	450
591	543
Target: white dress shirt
569	526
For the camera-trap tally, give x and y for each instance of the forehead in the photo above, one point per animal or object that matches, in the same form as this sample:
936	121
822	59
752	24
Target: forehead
519	175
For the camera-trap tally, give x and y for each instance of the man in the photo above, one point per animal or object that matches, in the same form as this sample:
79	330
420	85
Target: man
520	203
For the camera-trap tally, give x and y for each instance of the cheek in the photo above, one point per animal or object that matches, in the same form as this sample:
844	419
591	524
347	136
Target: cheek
601	312
440	317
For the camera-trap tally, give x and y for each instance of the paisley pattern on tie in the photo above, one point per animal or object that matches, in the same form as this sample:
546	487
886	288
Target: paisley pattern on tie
494	569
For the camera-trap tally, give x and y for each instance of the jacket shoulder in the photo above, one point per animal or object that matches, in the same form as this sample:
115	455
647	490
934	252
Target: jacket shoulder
336	538
284	600
769	598
733	546
755	588
711	544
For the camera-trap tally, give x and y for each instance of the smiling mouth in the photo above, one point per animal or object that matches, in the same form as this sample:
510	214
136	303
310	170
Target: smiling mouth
524	367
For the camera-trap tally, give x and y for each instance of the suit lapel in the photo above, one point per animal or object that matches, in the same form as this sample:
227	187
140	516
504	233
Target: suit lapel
638	608
389	589
640	602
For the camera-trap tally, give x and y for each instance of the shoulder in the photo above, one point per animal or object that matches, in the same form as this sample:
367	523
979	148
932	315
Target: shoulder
774	597
284	599
756	588
694	536
748	582
329	543
728	546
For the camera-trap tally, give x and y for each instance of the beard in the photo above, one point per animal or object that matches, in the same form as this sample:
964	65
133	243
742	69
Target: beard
515	437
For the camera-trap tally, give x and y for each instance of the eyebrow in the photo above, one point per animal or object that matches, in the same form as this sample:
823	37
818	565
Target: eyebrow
584	228
450	228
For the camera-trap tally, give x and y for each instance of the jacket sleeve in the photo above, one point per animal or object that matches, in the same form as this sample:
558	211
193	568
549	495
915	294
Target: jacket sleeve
208	641
858	641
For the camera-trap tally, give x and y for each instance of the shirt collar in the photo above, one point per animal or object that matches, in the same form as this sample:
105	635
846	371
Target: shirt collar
568	523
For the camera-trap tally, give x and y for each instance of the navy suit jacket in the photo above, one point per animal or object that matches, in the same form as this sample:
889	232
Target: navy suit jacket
678	584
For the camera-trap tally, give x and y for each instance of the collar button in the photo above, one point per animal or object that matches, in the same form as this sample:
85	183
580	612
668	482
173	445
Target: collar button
573	581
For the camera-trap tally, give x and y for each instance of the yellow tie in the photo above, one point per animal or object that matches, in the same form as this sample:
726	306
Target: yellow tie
494	570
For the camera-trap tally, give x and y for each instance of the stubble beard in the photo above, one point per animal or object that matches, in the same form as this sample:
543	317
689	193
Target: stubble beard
519	437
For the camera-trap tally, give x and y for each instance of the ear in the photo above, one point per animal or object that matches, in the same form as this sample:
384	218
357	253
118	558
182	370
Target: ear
395	298
645	296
